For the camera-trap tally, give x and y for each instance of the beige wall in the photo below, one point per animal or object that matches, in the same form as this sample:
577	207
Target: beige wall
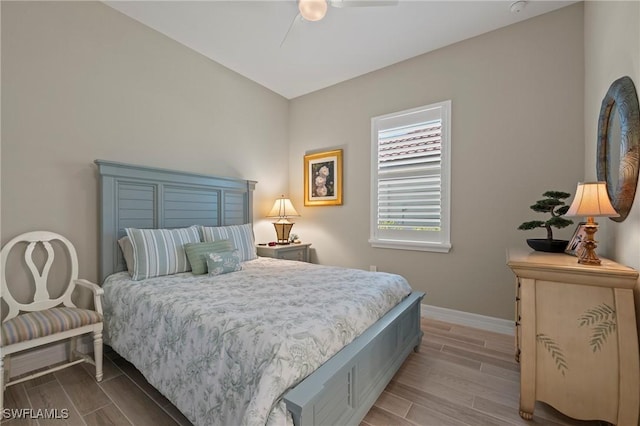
517	131
612	50
81	81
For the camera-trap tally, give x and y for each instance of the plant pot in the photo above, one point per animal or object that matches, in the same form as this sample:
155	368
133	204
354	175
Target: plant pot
551	246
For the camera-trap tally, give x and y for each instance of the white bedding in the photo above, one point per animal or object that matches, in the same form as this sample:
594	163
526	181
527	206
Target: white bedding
225	349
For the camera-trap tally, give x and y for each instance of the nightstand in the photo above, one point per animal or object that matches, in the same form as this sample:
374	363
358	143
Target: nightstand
298	252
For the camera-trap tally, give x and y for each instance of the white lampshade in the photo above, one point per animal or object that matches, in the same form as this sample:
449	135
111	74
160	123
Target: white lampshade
592	200
282	208
312	10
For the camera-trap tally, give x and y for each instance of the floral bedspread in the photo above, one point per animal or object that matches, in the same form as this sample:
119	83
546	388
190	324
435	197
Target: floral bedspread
225	349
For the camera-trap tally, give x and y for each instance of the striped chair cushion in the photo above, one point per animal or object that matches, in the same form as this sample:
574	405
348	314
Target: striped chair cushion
33	325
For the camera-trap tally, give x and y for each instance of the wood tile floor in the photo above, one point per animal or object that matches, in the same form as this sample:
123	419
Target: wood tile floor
461	376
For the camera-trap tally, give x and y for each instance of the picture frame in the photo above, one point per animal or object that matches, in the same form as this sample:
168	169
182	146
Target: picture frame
575	244
323	178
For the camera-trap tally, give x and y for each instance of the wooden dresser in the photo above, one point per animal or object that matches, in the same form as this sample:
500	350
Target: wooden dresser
576	337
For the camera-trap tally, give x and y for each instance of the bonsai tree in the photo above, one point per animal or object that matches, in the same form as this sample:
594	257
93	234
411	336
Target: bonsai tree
553	205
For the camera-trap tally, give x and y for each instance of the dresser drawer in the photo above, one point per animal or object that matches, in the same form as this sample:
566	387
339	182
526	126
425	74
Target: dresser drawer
299	252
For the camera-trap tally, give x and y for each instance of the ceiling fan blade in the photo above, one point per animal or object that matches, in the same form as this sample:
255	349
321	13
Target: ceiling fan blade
296	18
362	3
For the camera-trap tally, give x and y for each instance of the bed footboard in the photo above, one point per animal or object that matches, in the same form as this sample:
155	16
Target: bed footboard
345	388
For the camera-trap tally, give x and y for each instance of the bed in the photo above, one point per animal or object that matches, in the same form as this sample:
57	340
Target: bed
328	384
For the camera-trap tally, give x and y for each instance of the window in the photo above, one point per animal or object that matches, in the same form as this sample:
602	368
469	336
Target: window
410	189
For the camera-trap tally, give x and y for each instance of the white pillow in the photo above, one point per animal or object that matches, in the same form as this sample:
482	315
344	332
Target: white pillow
127	252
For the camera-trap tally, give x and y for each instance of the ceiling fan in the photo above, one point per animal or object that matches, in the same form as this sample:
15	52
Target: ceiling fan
315	10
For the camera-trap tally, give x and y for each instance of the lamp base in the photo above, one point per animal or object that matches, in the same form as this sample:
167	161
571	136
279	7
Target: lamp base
587	255
283	229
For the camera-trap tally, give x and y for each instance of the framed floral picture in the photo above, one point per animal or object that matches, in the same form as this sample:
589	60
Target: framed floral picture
574	247
323	178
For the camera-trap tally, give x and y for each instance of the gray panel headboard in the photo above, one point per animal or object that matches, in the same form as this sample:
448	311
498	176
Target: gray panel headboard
145	197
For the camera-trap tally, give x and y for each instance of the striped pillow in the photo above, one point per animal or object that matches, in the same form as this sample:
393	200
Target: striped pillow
158	252
196	253
240	235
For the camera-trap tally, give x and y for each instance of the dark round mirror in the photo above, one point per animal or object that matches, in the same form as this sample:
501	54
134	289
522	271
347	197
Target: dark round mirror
618	155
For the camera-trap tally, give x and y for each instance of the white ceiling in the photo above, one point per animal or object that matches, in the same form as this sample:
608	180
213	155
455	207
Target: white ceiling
246	36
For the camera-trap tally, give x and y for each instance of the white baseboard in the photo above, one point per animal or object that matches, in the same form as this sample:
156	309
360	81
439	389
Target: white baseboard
497	325
35	359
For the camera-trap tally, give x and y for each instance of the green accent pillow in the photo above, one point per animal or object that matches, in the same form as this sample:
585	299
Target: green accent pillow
223	262
197	253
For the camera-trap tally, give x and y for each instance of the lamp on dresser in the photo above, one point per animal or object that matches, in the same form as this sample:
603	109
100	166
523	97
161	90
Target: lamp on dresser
283	209
591	200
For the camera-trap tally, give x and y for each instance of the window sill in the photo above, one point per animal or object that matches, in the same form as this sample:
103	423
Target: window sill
411	245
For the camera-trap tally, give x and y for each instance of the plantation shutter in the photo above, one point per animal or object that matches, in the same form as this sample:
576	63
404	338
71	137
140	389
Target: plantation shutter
410	179
409	184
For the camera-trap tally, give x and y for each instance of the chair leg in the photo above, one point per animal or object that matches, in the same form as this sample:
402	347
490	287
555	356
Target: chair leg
2	383
73	346
7	368
97	353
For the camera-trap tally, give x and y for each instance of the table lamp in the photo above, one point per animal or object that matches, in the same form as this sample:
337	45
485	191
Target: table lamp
283	209
591	200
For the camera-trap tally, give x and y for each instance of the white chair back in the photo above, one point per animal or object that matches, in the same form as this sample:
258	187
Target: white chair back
41	297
